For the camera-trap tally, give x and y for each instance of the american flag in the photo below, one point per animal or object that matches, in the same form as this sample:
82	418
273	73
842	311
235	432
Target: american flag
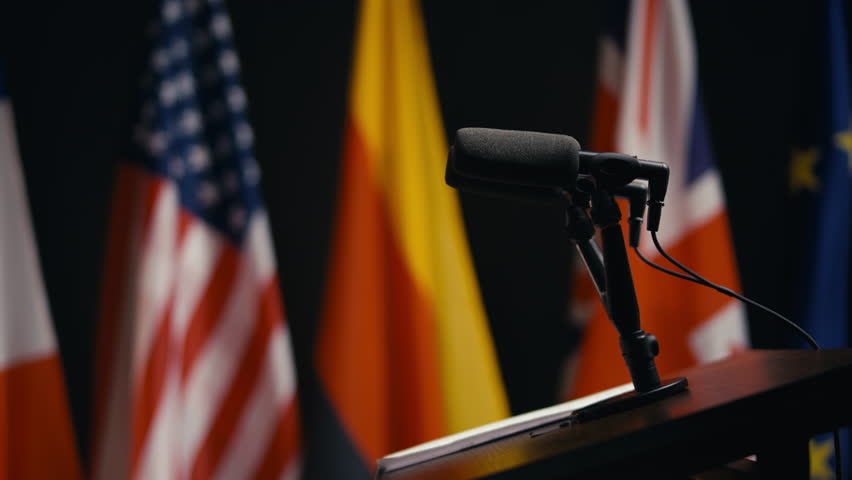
195	371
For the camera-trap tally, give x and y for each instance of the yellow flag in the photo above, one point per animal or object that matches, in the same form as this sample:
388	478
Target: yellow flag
404	350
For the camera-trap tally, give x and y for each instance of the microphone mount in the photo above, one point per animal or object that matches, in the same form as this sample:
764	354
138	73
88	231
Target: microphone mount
616	289
615	170
551	168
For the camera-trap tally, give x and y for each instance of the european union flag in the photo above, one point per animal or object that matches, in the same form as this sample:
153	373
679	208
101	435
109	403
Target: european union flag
820	181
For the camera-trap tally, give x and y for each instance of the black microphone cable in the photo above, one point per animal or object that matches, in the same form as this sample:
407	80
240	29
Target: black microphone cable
696	278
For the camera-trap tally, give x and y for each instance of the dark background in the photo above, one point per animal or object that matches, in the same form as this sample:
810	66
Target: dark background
73	68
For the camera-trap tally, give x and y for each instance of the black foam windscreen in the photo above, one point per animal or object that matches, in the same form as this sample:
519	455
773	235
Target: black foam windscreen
525	193
517	158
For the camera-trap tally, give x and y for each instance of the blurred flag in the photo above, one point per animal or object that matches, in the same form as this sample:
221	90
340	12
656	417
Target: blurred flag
195	373
648	105
821	184
404	352
36	435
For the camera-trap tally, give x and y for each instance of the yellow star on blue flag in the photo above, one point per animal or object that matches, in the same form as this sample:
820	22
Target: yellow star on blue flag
822	452
843	140
803	170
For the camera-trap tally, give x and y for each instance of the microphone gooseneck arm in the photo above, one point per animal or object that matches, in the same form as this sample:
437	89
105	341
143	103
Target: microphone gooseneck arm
637	347
581	229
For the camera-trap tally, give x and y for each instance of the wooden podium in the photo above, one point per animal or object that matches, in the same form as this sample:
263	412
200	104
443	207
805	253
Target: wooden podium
767	403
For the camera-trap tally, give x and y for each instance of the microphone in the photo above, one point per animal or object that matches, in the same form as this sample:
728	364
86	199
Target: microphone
524	193
499	160
531	159
536	165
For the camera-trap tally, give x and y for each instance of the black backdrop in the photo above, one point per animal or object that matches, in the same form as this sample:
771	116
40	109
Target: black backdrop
72	70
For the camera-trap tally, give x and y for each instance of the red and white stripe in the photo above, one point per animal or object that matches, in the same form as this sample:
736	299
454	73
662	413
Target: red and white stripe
36	435
200	381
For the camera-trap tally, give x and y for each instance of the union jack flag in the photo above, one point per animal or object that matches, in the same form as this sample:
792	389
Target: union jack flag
648	105
195	373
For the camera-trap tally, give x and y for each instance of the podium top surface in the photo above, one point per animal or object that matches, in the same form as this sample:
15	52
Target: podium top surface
729	410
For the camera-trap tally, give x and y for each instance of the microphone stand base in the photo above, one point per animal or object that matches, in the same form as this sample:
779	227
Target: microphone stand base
628	401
